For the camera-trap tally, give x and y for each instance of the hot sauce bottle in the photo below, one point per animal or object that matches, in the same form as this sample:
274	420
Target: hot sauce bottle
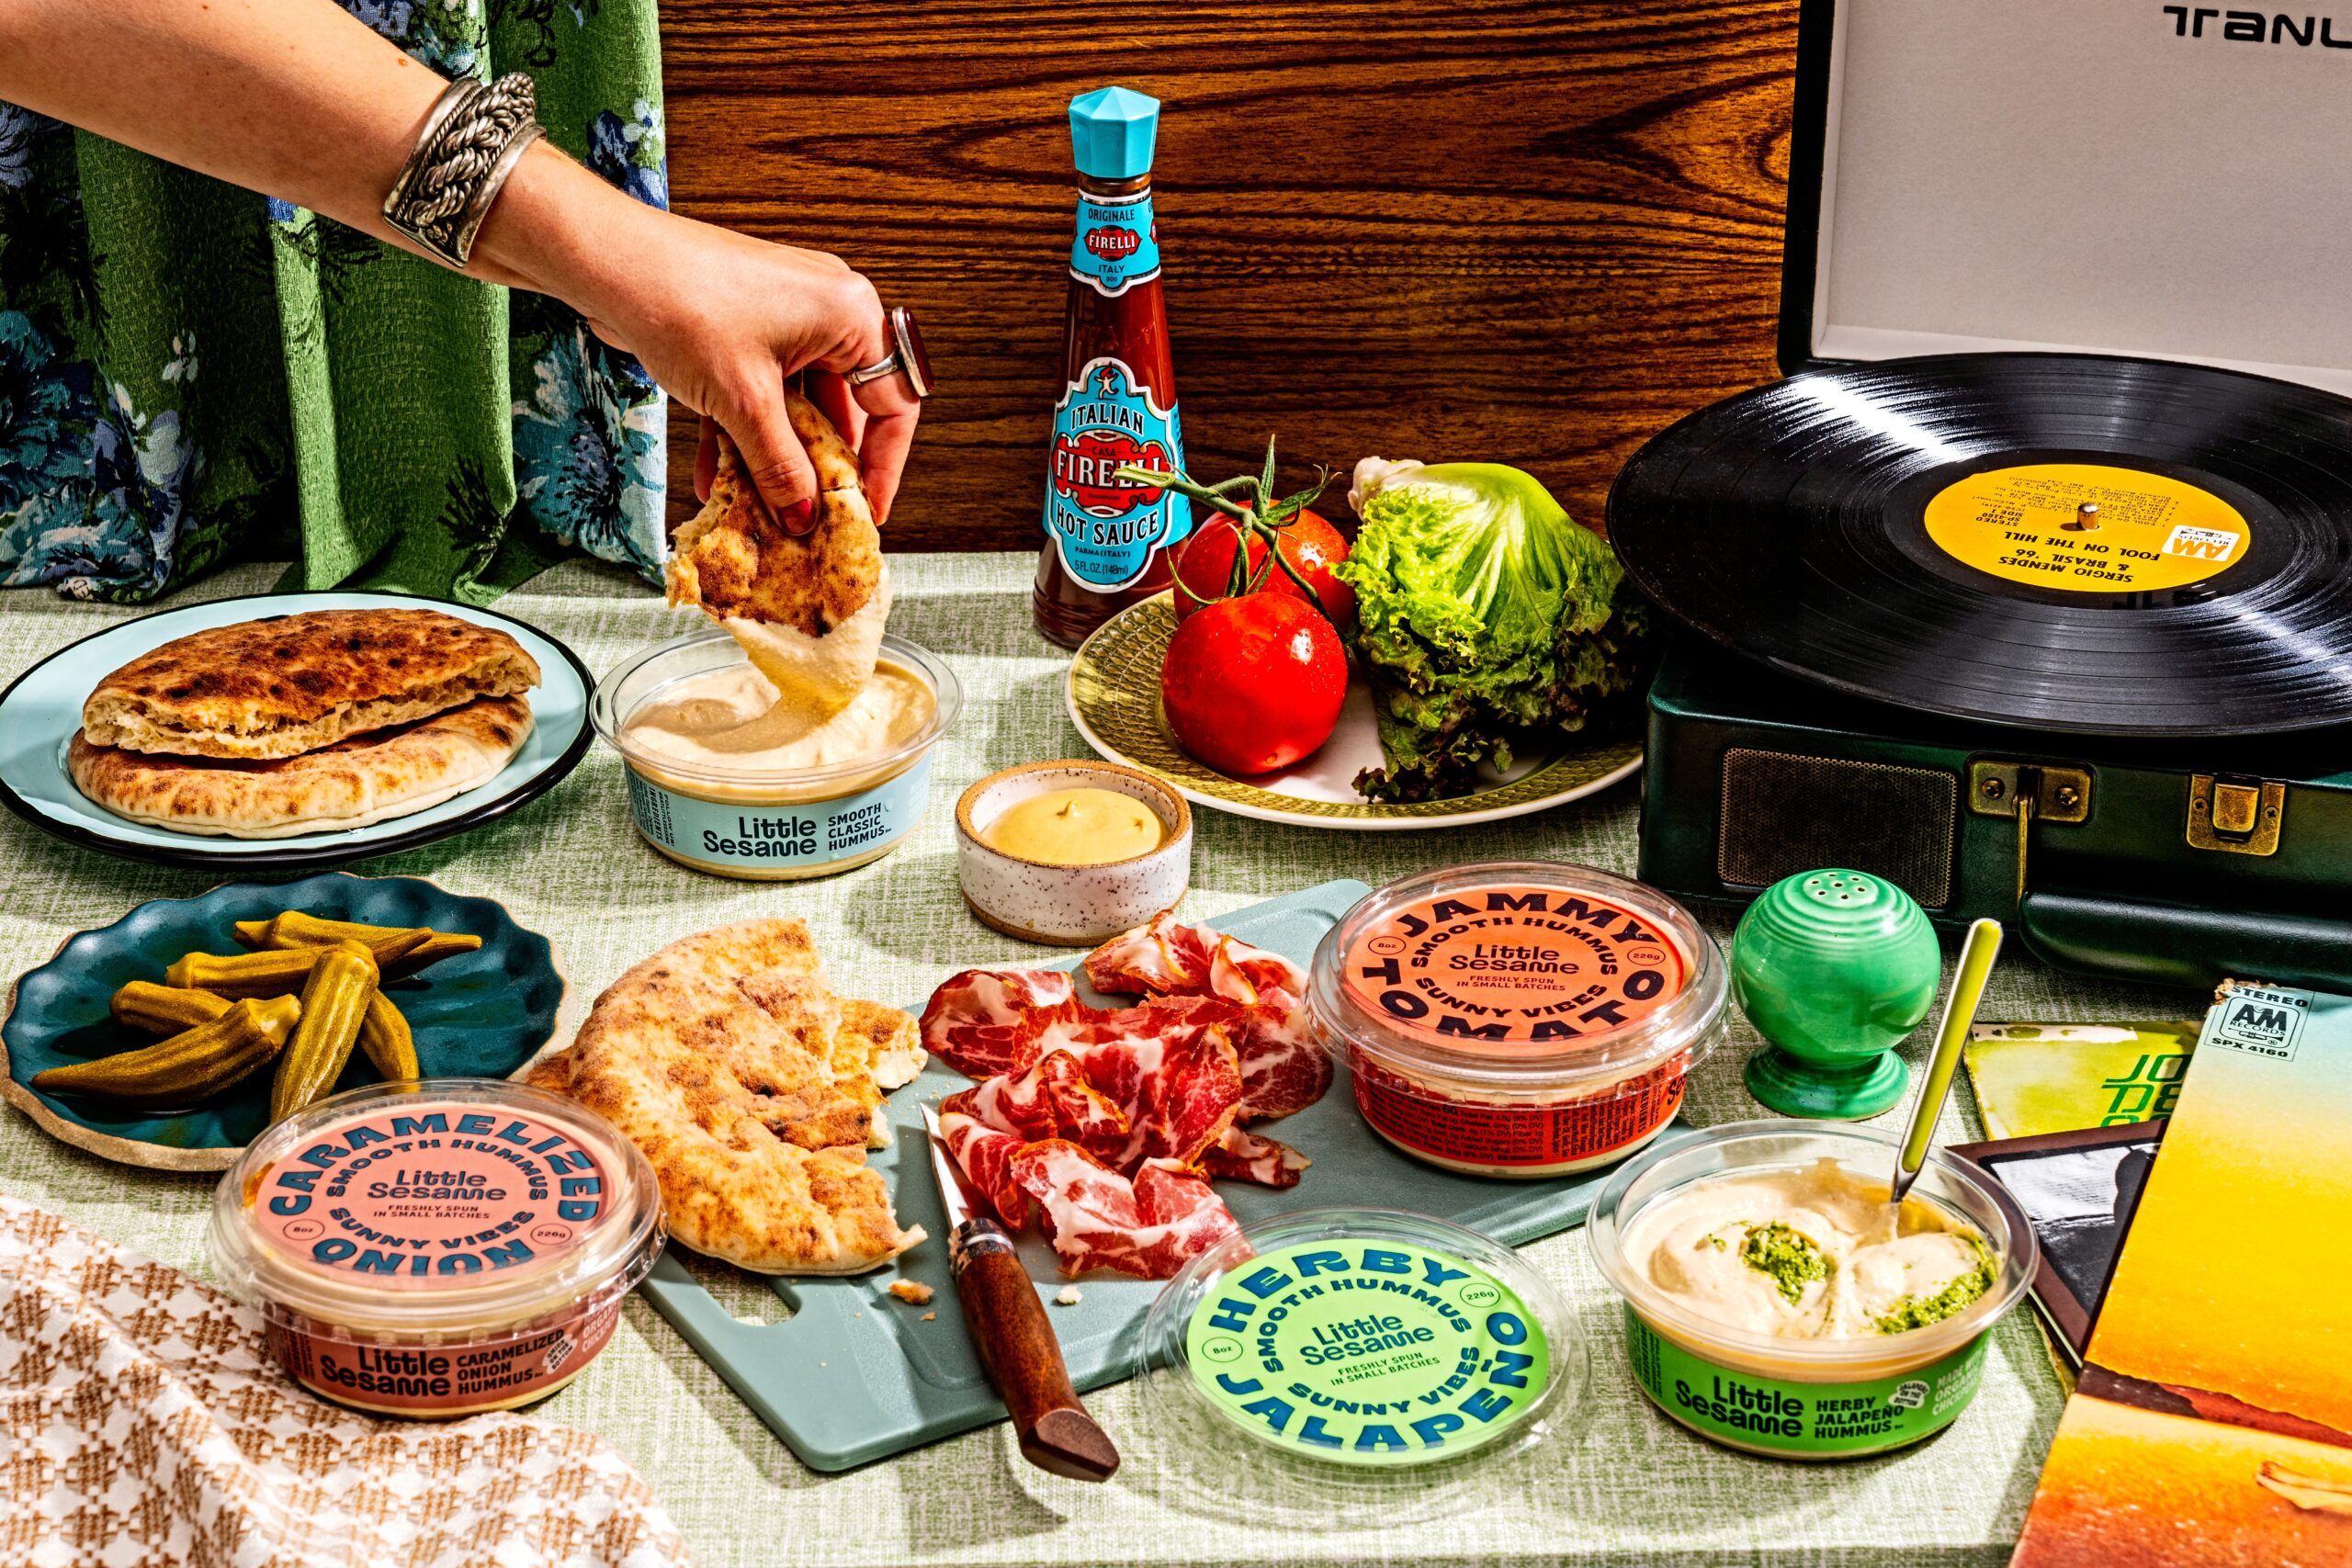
1107	541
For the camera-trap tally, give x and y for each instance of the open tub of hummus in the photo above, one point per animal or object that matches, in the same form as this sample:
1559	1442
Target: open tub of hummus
1517	1018
726	778
1775	1301
437	1248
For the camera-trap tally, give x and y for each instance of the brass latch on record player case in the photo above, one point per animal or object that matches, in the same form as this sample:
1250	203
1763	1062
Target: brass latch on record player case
2029	792
2239	817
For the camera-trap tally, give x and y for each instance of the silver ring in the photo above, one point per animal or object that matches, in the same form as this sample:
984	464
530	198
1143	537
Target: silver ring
906	357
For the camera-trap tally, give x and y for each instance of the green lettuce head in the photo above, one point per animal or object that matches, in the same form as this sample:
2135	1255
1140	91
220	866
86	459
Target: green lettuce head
1485	616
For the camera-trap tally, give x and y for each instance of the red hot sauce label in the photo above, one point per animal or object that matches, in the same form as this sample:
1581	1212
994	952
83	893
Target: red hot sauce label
1512	965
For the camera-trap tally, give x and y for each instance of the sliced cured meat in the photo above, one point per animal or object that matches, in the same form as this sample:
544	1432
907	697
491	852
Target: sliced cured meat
1283	1070
1166	958
1125	1099
1106	1124
985	1156
1051	1100
1243	1155
984	1021
1148	1226
1179	1081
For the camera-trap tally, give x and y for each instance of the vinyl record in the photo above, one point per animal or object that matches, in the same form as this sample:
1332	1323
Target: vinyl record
2059	542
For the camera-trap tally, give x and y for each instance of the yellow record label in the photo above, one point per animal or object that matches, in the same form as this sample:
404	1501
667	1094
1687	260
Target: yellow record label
2087	527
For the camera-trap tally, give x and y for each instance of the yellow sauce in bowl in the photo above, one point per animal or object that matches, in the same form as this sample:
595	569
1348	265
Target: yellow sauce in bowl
1076	827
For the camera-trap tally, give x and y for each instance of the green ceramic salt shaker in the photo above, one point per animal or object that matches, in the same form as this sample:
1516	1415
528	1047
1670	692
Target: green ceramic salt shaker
1834	969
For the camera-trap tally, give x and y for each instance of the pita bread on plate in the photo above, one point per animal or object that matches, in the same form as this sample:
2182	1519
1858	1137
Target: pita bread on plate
809	609
753	1093
350	784
285	684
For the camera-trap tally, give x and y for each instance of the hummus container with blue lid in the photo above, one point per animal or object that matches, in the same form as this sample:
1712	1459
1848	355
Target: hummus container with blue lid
1774	1302
1360	1351
709	789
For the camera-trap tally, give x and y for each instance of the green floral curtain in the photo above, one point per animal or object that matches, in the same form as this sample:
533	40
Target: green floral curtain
190	372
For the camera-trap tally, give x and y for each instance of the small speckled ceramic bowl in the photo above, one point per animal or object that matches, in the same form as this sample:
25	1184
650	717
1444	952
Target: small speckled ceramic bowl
1070	906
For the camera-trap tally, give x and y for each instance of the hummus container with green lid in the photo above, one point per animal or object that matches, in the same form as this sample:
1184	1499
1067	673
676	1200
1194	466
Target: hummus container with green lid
1519	1019
1774	1304
1356	1351
437	1248
707	790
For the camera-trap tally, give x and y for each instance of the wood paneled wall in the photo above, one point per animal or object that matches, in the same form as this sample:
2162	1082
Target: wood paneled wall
1525	230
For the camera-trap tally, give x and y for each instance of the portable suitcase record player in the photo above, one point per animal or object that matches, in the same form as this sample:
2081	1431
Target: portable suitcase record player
2031	588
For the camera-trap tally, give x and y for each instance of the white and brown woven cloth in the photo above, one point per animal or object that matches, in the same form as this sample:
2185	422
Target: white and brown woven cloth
144	1425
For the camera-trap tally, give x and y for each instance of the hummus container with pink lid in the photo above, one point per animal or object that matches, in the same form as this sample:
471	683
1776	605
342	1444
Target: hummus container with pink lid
1519	1019
440	1248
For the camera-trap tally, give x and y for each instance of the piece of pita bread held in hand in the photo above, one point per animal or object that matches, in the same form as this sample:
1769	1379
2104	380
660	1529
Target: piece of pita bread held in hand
808	608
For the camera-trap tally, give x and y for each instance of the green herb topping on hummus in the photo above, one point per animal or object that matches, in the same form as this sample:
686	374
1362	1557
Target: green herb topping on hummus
1917	1312
1788	1257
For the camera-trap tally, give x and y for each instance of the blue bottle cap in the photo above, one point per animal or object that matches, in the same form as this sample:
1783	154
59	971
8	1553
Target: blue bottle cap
1111	131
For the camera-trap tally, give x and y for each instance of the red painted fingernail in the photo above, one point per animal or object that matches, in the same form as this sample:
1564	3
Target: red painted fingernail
799	517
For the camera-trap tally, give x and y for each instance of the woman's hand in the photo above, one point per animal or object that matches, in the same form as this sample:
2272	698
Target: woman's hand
722	321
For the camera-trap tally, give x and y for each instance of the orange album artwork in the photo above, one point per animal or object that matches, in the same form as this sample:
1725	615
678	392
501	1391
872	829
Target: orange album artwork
2212	1422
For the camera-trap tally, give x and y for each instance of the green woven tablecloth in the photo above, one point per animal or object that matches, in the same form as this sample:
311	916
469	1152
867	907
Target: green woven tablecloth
1628	1487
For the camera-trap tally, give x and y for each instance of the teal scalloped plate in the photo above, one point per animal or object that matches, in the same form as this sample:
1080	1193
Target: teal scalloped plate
480	1014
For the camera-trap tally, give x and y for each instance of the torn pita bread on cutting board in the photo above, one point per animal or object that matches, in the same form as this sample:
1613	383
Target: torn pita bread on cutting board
754	1092
285	684
351	782
808	608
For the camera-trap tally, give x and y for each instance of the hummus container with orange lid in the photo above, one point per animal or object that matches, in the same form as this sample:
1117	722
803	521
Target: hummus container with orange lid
708	788
438	1248
1519	1018
1775	1303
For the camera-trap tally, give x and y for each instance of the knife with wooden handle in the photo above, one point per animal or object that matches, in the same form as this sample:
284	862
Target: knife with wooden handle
1011	1331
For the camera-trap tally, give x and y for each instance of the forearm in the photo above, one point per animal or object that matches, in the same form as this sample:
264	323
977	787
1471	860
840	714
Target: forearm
297	99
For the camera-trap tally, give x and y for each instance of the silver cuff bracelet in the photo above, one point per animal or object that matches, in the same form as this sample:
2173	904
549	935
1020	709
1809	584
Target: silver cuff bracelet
472	142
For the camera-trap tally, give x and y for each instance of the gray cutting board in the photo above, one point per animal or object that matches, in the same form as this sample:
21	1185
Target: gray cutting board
855	1375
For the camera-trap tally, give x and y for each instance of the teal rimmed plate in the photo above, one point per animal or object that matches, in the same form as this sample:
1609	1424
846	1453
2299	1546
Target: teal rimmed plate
41	710
1114	697
480	1014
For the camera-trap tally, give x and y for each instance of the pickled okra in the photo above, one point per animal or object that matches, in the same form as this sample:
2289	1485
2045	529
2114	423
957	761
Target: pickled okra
274	972
293	929
166	1009
191	1065
340	982
384	1037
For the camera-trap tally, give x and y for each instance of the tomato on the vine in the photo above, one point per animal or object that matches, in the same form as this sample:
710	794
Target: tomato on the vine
1253	684
1313	547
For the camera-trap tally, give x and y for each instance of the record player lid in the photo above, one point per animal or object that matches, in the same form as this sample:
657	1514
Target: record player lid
2166	181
